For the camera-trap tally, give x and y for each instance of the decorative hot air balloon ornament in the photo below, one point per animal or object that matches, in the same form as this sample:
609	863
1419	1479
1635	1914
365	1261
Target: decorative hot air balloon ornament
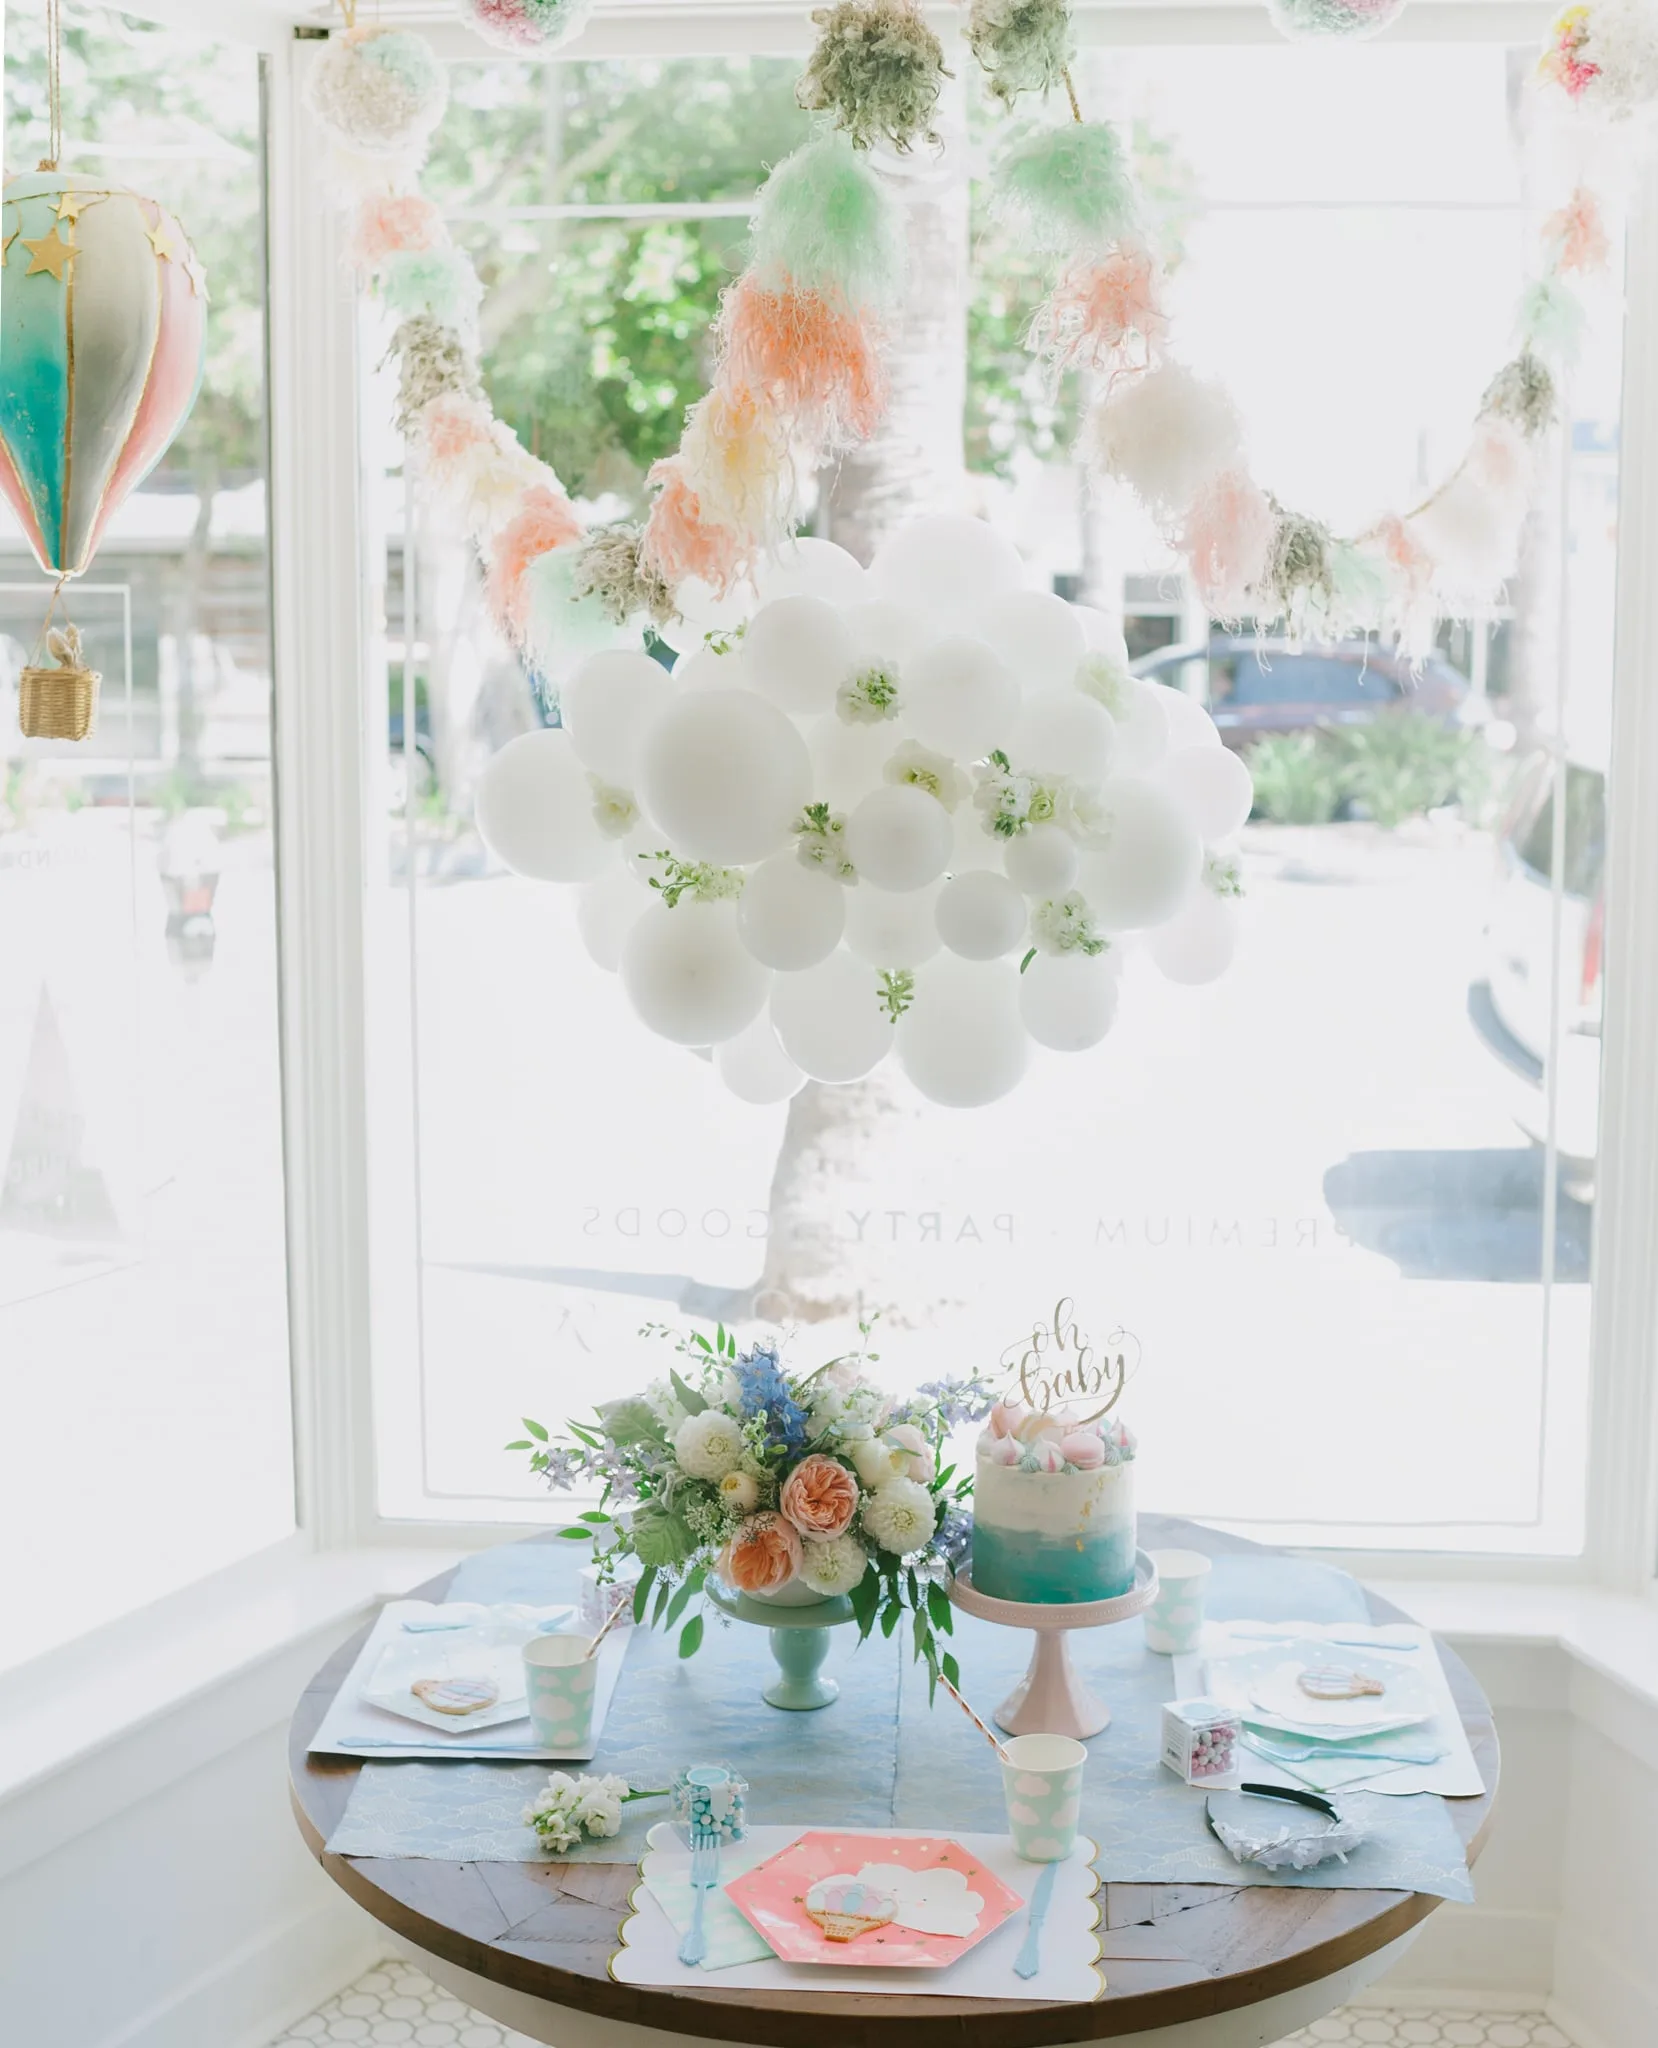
103	318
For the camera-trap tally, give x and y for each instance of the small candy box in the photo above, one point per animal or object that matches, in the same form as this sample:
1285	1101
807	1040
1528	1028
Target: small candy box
707	1799
1200	1741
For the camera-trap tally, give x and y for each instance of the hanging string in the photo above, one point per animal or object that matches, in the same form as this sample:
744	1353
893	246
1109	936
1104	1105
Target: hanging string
54	85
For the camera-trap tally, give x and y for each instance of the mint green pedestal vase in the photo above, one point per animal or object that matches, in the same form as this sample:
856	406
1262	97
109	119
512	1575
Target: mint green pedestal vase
799	1641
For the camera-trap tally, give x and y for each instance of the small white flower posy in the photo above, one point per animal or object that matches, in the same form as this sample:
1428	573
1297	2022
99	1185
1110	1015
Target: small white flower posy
567	1808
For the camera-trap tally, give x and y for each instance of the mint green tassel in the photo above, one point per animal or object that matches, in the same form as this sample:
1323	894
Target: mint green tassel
826	223
1070	188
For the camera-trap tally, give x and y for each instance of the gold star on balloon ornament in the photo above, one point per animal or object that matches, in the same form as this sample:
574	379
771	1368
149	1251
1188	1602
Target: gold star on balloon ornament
71	205
195	273
51	253
161	240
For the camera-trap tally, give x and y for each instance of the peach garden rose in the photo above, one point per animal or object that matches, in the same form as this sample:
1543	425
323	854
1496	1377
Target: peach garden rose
820	1497
763	1555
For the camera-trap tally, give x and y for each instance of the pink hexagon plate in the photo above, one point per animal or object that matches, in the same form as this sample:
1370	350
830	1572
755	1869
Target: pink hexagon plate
943	1900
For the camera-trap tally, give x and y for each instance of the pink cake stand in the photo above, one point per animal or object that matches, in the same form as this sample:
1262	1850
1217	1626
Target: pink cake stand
1052	1698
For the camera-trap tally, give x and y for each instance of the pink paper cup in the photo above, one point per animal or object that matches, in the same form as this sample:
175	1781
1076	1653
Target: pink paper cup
1042	1782
559	1678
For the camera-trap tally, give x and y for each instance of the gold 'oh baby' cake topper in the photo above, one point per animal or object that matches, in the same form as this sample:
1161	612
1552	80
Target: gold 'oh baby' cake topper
1058	1365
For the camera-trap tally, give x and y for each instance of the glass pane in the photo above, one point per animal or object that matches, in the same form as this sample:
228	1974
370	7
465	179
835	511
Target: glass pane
143	1317
1343	1198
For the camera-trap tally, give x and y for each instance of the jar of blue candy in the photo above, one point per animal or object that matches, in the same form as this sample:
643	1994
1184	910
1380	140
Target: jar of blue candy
708	1799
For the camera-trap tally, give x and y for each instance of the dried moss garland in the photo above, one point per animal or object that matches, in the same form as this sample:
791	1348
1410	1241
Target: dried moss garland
879	69
1522	391
610	570
1298	583
1021	45
432	361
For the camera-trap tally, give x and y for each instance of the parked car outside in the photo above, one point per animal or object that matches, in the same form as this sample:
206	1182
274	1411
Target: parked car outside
1256	687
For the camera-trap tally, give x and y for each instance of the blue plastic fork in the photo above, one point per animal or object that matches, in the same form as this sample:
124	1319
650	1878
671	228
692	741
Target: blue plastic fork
705	1875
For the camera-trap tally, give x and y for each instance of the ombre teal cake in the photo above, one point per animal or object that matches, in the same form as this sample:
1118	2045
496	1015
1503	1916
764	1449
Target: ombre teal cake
1053	1521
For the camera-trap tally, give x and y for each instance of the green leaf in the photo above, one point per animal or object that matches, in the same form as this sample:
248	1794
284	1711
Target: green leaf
593	1515
523	1444
922	1635
938	1606
678	1604
952	1670
661	1537
690	1637
578	1533
701	1342
1029	957
642	1594
689	1399
664	1593
889	1619
866	1597
535	1430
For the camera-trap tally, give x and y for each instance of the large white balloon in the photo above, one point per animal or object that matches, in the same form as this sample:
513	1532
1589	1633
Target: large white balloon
534	808
1197	945
790	916
1063	732
1142	725
725	774
1038	635
887	632
798	651
754	1066
606	911
888	930
899	837
1149	861
972	845
1103	635
1212	786
608	705
981	915
960	697
1042	861
847	759
830	1018
946	564
703	611
809	567
961	1041
689	976
720	667
1069	1000
1189	724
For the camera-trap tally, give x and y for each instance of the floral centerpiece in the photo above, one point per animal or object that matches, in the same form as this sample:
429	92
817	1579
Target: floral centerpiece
785	1484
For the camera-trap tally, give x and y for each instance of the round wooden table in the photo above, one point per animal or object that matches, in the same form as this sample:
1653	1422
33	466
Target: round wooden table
1187	1966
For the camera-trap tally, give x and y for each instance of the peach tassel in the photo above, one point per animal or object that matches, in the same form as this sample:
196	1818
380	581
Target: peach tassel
681	542
388	223
735	457
1097	311
546	520
1227	537
813	361
1579	234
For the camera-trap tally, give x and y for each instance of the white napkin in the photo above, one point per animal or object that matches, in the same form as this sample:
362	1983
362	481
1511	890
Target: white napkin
662	1911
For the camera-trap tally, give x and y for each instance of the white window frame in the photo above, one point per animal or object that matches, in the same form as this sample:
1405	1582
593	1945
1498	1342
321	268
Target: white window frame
321	576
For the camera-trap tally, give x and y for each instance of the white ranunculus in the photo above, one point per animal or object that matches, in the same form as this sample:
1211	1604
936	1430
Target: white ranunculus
873	1461
835	1566
740	1491
917	1459
709	1445
899	1515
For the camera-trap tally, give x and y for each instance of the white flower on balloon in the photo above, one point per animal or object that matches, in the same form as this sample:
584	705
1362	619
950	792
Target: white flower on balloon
900	1517
920	768
870	698
1106	680
835	1566
709	1445
614	810
1065	924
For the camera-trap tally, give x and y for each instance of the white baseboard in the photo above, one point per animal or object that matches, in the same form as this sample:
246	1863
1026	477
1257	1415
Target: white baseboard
252	1994
1463	1950
1602	2002
1575	2027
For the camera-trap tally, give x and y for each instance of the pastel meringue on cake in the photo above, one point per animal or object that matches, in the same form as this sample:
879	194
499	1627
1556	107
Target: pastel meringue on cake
1053	1507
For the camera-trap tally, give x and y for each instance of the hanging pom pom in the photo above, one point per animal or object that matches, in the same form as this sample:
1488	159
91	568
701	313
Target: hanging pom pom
390	222
1471	528
1522	391
1105	316
824	223
1021	45
1577	235
1358	593
528	24
817	366
379	91
432	362
545	520
451	433
1227	538
1165	435
1409	617
1552	319
1317	21
439	284
1604	57
611	569
680	543
878	68
1069	189
1297	586
735	454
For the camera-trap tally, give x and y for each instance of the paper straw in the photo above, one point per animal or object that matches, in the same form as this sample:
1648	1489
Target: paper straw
986	1732
609	1623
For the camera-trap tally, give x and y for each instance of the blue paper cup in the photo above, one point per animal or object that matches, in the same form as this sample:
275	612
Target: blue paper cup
1174	1622
1042	1782
559	1679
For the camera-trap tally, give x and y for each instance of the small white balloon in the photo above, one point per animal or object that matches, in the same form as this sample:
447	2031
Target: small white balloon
981	915
1212	786
1042	861
798	651
1069	1000
607	706
1189	724
973	846
946	564
1149	858
830	1018
790	916
899	837
719	667
961	1041
1104	635
888	632
703	611
1140	738
1197	945
888	930
1063	732
534	809
960	697
688	975
754	1066
725	774
606	911
808	567
1038	635
847	760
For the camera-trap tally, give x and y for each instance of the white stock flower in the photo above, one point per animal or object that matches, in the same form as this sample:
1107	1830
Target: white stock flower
899	1515
659	1397
709	1445
919	768
835	1566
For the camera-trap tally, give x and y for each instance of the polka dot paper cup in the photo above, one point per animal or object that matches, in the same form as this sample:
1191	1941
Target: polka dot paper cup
559	1678
1042	1780
1174	1624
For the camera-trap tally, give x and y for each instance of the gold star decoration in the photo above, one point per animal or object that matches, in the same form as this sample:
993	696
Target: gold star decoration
196	275
50	253
71	205
161	240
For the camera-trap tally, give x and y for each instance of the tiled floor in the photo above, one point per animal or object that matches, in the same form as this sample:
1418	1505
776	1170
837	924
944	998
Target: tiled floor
397	2004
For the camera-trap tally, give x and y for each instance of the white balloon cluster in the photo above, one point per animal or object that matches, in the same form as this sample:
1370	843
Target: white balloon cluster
913	808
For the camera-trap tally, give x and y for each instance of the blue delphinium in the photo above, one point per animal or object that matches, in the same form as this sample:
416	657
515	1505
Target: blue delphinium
762	1390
